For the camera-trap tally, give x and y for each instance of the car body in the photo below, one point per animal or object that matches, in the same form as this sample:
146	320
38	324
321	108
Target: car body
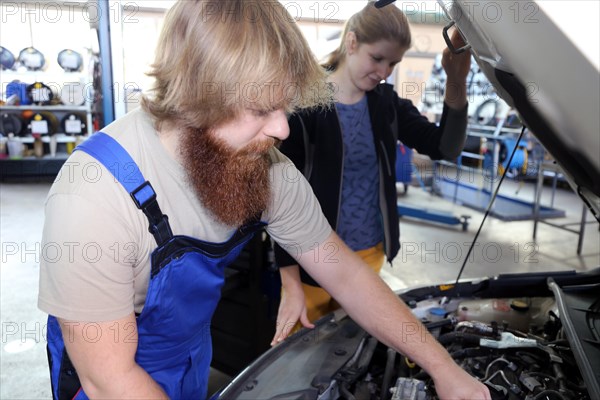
527	336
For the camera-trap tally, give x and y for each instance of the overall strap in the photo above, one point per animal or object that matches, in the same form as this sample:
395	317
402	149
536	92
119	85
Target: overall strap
117	160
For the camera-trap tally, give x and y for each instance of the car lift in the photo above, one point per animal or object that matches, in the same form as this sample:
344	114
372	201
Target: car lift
404	172
443	217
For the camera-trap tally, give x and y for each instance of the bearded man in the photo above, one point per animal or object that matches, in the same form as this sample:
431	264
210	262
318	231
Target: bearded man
146	214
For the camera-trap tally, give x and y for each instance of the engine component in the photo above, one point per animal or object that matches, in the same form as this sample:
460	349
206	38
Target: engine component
518	313
409	389
516	347
508	341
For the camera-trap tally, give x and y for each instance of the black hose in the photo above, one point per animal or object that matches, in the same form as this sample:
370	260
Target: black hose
558	341
421	376
438	324
547	393
560	376
465	338
543	375
367	354
387	374
471	352
346	393
575	386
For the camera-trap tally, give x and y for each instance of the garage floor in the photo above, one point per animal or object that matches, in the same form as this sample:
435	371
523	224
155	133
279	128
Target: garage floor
429	252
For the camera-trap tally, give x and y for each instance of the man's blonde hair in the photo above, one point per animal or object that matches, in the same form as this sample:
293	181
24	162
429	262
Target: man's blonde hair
216	58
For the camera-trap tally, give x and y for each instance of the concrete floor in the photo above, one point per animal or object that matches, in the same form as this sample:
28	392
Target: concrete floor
430	252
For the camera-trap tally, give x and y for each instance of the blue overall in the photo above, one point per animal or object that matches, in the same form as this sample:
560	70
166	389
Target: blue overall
174	342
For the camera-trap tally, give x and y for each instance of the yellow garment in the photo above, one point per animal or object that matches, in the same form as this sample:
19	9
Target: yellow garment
320	303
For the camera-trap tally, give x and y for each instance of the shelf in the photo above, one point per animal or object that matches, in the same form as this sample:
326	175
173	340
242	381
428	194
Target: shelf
60	138
45	108
36	76
472	155
490	128
19	168
59	111
46	157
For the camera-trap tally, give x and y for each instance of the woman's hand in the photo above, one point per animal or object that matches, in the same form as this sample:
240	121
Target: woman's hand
292	306
457	67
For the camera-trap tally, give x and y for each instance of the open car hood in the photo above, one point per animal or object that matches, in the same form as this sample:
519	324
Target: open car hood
536	67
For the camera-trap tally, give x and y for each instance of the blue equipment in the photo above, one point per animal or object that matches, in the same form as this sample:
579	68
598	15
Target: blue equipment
519	161
404	166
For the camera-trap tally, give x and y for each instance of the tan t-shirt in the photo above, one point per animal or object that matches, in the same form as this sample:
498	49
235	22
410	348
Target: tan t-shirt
95	261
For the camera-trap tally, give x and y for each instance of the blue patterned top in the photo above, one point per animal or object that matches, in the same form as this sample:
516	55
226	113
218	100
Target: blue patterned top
359	223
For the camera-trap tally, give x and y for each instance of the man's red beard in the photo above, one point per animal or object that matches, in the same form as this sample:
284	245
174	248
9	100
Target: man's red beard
233	185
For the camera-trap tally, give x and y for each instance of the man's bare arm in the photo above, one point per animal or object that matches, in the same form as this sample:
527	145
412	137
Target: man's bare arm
103	353
372	304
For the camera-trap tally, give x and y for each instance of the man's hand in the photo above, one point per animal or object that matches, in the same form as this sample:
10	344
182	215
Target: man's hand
453	382
292	306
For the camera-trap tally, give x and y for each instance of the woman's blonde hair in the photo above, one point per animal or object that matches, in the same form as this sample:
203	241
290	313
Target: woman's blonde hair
371	25
216	58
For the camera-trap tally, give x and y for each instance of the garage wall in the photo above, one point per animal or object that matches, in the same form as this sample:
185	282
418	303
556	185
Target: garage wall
135	26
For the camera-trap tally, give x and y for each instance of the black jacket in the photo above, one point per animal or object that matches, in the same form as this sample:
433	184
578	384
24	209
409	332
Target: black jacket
321	158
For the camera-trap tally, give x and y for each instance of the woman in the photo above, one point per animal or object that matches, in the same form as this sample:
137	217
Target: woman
347	152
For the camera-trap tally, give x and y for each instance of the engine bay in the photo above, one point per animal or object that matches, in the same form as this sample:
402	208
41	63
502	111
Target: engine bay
529	336
517	347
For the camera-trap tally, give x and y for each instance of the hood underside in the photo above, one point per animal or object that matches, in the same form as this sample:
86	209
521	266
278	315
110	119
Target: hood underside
552	83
